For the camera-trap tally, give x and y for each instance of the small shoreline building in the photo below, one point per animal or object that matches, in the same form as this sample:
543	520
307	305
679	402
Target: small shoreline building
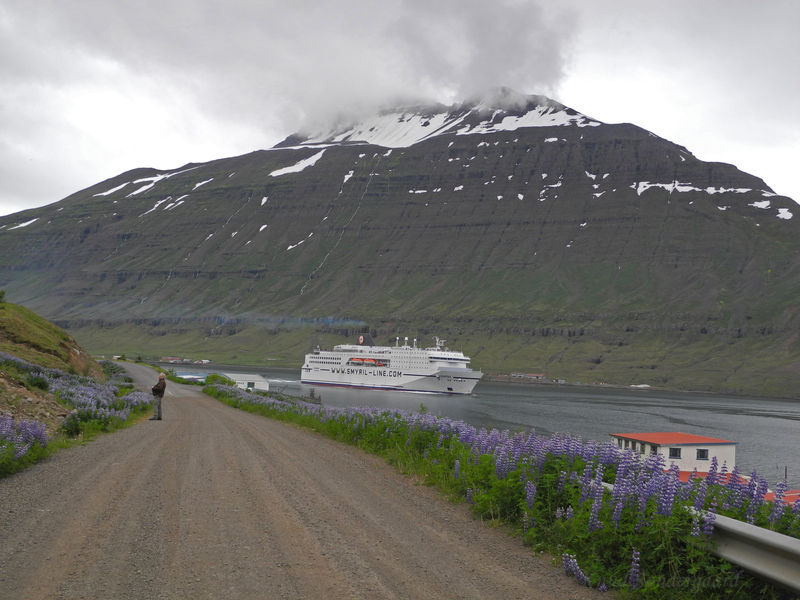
688	451
692	454
249	381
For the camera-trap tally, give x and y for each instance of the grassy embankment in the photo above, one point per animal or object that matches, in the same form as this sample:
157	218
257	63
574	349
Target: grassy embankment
52	394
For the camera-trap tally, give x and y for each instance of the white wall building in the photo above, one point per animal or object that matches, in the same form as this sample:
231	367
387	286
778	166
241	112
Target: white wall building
687	450
248	381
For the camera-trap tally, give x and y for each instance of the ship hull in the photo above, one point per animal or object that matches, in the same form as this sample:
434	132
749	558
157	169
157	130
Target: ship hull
431	384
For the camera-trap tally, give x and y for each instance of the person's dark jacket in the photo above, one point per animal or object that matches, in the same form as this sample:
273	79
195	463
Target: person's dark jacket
158	389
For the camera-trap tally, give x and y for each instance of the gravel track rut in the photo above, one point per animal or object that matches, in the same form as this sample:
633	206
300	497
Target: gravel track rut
213	502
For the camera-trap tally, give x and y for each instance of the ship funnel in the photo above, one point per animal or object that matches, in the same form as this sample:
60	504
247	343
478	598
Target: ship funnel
365	339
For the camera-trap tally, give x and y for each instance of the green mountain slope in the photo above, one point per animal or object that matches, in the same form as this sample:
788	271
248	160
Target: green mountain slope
587	251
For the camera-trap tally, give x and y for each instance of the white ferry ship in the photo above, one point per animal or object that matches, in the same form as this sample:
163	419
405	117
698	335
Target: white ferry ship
405	368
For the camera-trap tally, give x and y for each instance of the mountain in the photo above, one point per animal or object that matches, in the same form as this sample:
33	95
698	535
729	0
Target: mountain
533	237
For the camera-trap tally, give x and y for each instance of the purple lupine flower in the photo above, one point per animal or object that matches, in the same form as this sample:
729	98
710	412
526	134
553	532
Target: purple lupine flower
700	497
586	481
708	519
469	496
501	466
711	478
655	463
594	520
530	443
562	478
597	500
669	487
570	564
21	436
777	503
565	562
569	513
695	526
756	496
530	492
616	515
559	512
736	488
528	521
540	454
457	469
633	574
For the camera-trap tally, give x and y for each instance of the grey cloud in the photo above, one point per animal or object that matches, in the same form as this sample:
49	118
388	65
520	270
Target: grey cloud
267	68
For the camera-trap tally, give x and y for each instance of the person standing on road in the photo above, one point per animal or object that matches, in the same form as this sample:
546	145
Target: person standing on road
158	394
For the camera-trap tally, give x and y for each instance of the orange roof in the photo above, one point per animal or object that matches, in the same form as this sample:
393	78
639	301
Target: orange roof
722	478
671	437
789	497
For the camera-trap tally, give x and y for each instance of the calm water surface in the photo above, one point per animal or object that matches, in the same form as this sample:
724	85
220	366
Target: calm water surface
767	430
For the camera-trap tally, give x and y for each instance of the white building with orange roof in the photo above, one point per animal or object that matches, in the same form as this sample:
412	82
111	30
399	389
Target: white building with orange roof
687	450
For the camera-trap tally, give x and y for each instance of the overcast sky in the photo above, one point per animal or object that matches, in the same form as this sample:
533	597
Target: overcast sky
92	88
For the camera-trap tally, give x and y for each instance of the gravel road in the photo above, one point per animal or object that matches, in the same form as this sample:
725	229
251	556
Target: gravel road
213	502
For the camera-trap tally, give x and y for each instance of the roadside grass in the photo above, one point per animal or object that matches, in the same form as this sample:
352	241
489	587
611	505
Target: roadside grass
89	431
96	409
641	540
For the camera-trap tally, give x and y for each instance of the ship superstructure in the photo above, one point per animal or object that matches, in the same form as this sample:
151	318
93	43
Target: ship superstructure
400	367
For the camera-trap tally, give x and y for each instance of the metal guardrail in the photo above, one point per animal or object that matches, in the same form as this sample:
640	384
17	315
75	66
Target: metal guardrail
762	552
765	553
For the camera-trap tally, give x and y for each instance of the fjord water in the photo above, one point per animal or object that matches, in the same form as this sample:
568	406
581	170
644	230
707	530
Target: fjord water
767	430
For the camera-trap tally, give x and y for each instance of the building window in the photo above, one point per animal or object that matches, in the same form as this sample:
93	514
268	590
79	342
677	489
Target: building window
702	454
675	453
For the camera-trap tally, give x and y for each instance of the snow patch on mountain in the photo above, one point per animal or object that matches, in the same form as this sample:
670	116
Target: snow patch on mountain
25	224
152	181
177	202
156	205
293	246
299	166
497	111
112	190
676	186
393	130
542	116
